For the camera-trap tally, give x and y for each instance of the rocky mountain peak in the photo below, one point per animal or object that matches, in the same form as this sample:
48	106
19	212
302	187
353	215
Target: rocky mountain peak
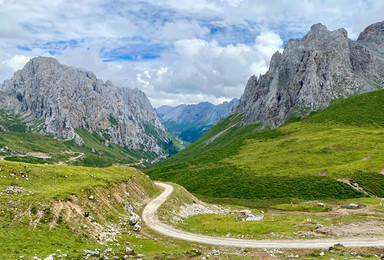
373	33
323	66
66	99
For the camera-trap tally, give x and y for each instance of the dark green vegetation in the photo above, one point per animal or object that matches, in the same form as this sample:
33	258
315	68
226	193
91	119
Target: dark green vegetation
302	160
19	137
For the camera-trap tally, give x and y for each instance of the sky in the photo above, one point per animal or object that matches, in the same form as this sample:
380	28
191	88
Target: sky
175	51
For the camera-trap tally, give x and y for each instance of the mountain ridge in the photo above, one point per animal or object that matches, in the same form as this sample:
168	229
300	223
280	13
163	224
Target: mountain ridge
312	72
66	99
188	122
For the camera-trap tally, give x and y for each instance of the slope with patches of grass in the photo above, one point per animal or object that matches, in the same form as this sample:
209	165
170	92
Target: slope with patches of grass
304	159
44	208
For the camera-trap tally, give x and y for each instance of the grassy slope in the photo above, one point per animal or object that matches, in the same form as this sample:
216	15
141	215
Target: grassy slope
243	164
23	231
19	136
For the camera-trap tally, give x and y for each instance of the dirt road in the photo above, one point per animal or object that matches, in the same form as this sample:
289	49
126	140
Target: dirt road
150	218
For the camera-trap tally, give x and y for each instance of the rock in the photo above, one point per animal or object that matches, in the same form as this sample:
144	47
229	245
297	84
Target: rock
321	254
323	205
66	98
93	150
248	216
136	228
215	252
50	257
95	252
353	206
319	226
91	197
134	219
14	190
313	71
129	251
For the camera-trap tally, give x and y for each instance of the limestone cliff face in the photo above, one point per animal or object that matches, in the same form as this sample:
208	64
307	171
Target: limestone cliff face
323	66
65	98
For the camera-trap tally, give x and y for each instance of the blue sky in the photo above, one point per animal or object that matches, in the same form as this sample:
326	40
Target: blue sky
175	51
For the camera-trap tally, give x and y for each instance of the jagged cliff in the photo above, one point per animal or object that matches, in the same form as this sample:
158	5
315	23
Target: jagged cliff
323	66
65	98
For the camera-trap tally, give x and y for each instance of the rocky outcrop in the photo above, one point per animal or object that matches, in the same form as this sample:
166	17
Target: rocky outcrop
310	73
65	99
188	122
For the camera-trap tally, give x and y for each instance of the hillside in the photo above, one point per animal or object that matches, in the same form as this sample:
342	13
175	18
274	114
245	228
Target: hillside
320	157
19	142
189	122
48	208
56	100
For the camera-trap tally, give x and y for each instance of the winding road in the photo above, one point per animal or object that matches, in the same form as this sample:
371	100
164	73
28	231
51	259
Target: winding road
152	221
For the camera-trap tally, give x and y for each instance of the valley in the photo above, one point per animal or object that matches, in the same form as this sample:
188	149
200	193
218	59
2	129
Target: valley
293	168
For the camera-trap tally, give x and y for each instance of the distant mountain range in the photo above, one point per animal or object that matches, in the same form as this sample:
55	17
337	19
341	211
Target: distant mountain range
189	122
54	99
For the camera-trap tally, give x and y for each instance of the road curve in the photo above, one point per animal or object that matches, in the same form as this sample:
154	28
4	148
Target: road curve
150	218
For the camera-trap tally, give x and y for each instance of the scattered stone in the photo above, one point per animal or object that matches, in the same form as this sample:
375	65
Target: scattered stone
368	158
318	226
62	256
353	206
134	219
108	250
323	205
322	254
14	190
50	257
129	251
248	216
136	228
228	234
214	252
91	197
92	253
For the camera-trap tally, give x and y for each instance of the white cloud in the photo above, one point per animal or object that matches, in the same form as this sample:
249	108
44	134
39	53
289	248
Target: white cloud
200	49
200	70
17	62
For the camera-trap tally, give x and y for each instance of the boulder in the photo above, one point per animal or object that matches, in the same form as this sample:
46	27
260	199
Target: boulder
134	219
136	228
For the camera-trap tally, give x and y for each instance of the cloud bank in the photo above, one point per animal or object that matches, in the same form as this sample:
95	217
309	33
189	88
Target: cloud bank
175	51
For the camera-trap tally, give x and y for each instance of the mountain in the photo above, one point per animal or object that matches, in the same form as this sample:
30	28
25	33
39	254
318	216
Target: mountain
188	122
312	72
65	100
334	153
